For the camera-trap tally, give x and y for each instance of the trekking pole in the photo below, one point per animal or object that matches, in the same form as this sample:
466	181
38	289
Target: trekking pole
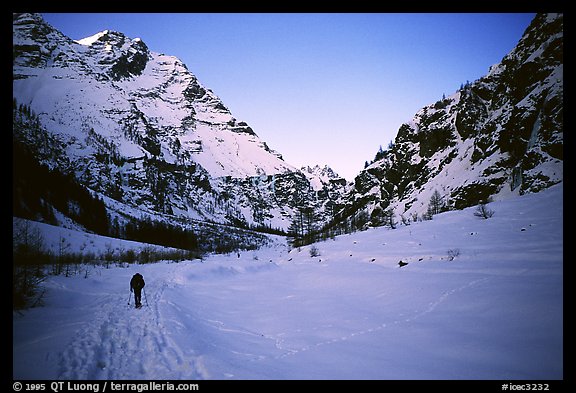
129	297
145	297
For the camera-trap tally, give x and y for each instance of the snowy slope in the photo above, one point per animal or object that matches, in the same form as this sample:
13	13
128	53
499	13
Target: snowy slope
78	241
137	126
493	312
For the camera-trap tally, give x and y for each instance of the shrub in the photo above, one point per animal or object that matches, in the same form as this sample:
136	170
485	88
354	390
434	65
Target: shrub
453	253
314	251
483	211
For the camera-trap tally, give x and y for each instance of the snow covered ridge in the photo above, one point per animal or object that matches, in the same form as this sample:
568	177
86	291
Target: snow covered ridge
147	103
499	136
137	126
492	312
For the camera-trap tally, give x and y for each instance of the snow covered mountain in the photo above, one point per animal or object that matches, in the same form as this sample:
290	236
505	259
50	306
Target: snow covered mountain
146	104
498	136
138	127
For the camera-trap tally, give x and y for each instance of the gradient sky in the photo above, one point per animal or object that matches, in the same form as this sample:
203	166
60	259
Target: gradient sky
321	88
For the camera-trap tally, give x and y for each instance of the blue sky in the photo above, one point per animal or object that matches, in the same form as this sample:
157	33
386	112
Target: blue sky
321	88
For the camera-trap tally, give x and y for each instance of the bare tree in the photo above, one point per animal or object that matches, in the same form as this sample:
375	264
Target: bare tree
28	256
405	220
389	218
436	203
483	211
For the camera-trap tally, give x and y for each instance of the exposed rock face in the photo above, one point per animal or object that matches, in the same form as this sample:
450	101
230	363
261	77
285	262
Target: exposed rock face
501	134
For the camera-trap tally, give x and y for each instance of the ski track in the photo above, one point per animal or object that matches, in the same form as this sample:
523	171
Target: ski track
121	342
279	341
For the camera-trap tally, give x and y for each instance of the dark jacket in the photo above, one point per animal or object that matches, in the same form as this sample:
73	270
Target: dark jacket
137	282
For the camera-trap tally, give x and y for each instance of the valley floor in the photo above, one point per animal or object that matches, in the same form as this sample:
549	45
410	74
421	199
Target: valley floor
495	311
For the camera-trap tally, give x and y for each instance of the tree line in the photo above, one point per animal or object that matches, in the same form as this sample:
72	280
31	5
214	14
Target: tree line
305	227
38	192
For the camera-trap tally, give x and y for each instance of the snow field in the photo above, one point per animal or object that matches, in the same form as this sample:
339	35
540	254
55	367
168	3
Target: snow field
493	312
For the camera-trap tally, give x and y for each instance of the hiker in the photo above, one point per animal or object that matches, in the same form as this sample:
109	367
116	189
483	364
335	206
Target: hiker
136	285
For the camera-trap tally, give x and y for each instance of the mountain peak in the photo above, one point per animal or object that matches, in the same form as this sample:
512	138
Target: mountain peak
125	57
323	171
110	37
88	41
